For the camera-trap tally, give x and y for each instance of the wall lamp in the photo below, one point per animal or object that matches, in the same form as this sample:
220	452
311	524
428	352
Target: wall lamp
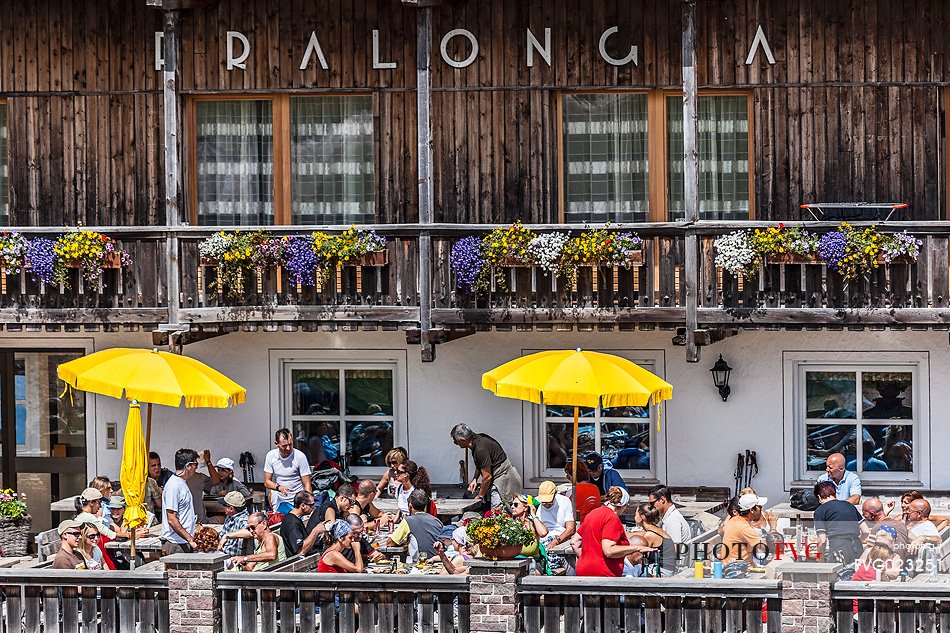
720	373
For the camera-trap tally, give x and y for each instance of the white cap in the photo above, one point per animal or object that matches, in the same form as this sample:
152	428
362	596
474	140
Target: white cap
226	462
749	501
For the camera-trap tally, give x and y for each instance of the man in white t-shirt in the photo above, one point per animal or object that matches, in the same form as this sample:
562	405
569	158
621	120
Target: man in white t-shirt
920	528
178	509
557	513
672	522
286	472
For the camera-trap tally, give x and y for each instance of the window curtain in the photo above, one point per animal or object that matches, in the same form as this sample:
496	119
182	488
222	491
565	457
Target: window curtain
605	158
723	158
235	162
332	179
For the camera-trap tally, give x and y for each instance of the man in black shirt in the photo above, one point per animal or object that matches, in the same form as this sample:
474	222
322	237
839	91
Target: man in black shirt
336	508
500	480
837	523
292	530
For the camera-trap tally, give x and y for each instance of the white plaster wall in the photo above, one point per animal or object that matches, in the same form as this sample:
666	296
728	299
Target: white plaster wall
700	434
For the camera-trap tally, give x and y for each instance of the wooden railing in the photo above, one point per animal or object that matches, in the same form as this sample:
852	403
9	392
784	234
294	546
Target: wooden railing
891	607
652	605
394	603
389	294
65	601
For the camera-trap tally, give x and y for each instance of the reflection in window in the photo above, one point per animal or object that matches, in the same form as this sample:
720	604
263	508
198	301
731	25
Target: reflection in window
620	434
362	433
883	396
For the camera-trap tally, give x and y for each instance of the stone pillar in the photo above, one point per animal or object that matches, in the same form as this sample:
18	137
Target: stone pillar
806	596
193	604
493	585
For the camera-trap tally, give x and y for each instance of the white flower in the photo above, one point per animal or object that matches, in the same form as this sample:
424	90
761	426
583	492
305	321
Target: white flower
215	246
734	253
546	249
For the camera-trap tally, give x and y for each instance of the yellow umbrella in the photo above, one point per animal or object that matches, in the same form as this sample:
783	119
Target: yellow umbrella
134	473
154	377
580	379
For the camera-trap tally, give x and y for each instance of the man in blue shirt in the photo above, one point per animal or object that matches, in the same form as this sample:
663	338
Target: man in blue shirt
603	474
847	484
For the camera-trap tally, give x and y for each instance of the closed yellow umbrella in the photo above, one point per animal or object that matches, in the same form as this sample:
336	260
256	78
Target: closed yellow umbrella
580	379
134	473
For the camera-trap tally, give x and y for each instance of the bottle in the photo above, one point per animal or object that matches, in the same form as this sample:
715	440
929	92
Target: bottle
717	569
698	569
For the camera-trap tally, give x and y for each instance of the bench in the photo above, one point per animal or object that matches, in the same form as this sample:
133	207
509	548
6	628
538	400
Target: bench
47	545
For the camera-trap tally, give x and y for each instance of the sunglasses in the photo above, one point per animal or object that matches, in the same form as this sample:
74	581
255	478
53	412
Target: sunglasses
252	527
93	536
401	472
73	534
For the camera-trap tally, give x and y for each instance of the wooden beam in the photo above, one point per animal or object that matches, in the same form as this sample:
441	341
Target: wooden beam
240	315
426	200
172	50
81	316
690	174
419	4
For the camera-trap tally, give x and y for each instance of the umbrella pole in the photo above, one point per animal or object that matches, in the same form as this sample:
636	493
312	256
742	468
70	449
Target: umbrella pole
574	454
148	430
132	556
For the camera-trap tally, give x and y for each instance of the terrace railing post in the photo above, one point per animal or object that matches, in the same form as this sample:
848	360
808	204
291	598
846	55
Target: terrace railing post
193	603
494	599
806	597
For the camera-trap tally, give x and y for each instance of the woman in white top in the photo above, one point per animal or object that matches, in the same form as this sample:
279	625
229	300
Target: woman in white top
89	547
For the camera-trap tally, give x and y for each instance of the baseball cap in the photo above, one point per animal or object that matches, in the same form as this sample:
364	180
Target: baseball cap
226	462
234	499
67	525
546	491
90	494
85	517
447	531
116	502
593	460
749	501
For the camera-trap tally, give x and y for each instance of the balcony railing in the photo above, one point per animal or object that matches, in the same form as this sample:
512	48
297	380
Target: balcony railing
652	292
889	607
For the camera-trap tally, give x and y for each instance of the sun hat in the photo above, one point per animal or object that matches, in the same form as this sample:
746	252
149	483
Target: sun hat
546	491
749	501
234	499
225	462
90	494
116	502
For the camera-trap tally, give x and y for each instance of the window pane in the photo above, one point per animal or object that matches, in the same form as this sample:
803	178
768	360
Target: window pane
560	440
723	157
626	445
331	144
825	439
47	425
887	395
368	442
316	391
830	394
605	158
318	439
560	411
4	169
888	447
369	391
235	162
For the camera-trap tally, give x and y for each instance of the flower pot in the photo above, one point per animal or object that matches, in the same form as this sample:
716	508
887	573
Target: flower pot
792	258
901	259
635	258
505	552
513	262
208	261
375	258
111	260
14	535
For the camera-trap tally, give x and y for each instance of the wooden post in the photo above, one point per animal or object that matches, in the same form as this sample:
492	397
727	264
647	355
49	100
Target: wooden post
574	455
172	166
424	137
690	174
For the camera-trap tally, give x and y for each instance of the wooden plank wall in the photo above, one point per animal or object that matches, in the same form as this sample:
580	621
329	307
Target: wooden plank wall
850	111
84	112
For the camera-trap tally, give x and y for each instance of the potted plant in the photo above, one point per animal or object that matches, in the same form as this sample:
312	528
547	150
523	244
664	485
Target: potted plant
498	535
14	523
91	252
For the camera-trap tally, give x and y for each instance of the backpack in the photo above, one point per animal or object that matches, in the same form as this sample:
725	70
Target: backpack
803	499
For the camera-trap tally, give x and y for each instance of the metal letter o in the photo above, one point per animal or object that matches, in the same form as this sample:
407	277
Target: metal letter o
468	61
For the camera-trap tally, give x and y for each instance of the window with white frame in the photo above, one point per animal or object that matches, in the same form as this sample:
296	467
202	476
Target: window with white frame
623	435
342	410
872	413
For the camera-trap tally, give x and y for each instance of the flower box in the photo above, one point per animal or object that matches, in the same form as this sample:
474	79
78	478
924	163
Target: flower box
374	258
513	262
110	260
14	535
209	261
635	258
793	258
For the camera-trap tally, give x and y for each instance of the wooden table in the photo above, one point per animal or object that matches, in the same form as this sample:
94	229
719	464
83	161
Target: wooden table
445	507
64	505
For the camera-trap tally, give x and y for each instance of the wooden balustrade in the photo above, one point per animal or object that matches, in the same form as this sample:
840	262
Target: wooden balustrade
253	601
64	601
914	607
653	605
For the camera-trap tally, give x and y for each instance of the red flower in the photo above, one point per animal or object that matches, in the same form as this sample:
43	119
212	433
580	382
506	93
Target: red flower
781	225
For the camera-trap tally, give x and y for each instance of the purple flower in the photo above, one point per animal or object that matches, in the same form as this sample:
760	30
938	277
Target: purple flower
41	256
299	260
467	263
832	248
